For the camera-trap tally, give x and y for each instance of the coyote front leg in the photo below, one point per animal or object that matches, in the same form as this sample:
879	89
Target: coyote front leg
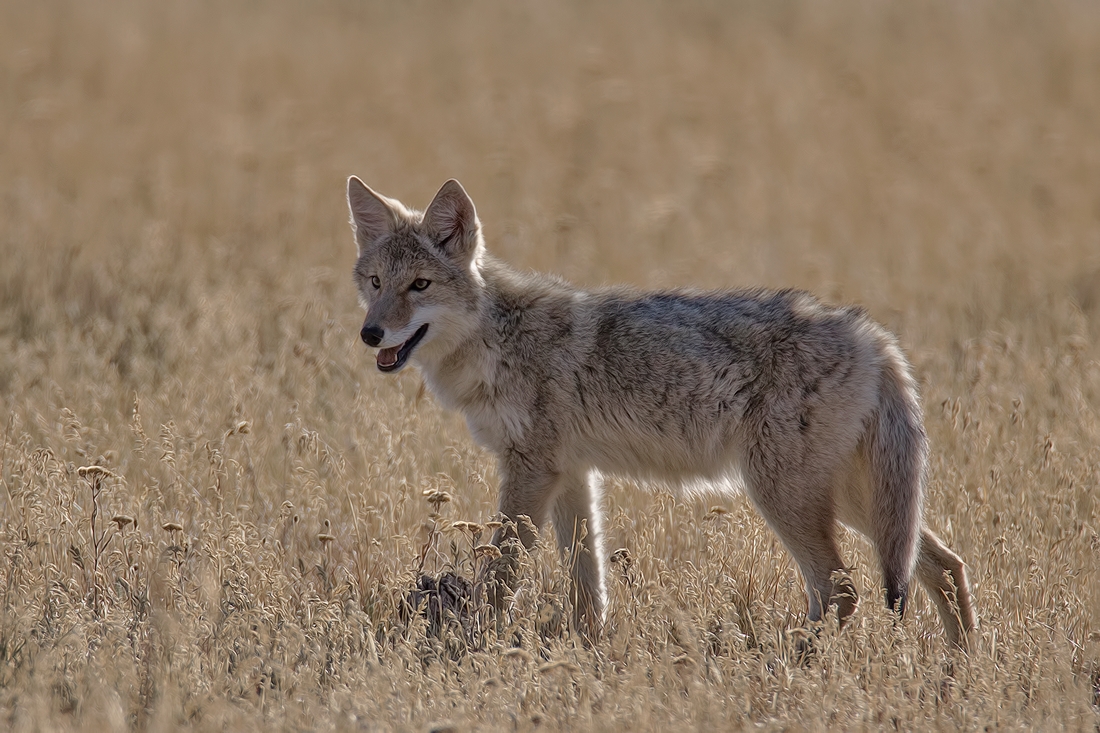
527	492
576	519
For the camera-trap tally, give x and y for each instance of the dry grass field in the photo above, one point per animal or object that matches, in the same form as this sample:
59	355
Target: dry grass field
213	505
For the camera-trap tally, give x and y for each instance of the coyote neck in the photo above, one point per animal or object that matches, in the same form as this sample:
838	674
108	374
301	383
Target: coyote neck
463	377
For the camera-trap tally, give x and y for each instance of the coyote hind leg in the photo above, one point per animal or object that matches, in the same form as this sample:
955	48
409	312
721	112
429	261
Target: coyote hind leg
943	574
805	523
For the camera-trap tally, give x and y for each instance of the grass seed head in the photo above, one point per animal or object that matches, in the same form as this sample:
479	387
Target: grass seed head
436	497
622	557
93	471
489	551
559	666
122	520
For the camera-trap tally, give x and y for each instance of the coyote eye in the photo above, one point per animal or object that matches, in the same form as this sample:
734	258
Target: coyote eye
420	284
375	282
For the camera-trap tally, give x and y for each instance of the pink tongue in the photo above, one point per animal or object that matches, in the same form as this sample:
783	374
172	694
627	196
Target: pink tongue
388	357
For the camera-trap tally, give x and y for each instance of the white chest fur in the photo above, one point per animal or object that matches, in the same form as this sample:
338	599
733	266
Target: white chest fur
494	418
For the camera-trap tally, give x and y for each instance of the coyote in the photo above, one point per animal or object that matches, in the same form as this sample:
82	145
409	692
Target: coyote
809	409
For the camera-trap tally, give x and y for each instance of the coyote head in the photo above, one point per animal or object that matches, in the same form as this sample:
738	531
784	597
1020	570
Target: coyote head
417	274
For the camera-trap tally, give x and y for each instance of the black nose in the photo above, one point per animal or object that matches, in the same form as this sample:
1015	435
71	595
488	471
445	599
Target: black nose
372	335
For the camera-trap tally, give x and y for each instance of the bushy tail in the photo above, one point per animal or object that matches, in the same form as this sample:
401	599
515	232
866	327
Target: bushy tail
897	451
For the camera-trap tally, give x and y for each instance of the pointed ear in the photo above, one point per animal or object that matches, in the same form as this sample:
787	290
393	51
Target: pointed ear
451	221
372	215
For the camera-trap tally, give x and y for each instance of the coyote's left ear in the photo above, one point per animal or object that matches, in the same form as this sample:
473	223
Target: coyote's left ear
451	221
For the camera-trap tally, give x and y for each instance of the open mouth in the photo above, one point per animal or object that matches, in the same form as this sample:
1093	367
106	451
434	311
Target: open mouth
393	358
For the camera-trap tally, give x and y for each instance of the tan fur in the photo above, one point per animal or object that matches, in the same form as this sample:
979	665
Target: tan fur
810	409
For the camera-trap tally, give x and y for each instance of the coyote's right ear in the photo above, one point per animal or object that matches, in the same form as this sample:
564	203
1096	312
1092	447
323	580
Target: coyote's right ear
372	215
